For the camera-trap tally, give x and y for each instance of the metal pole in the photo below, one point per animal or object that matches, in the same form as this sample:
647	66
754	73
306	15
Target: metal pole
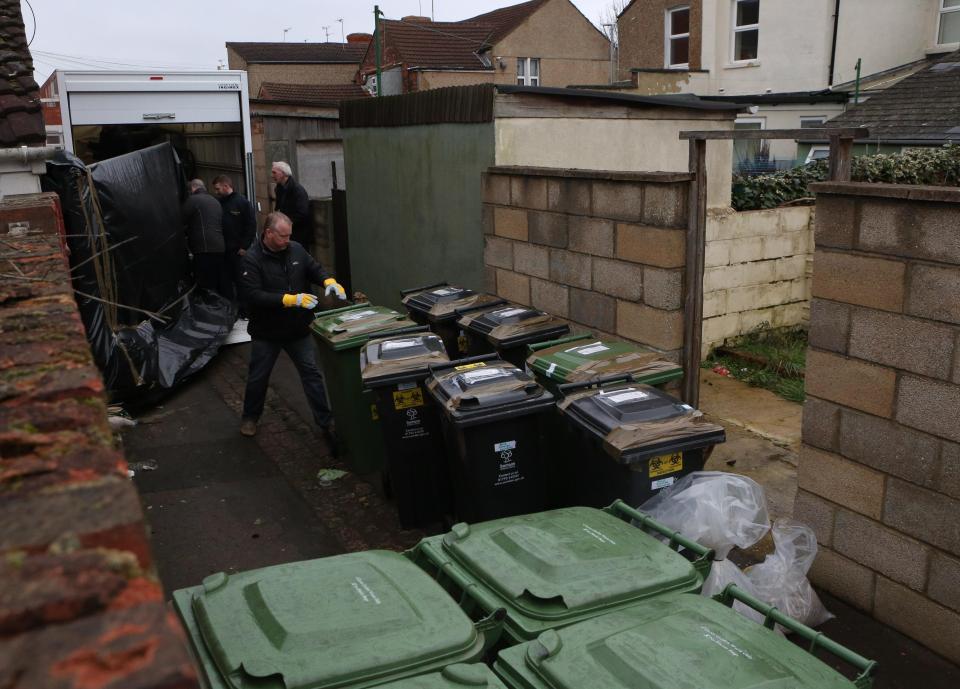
856	92
376	40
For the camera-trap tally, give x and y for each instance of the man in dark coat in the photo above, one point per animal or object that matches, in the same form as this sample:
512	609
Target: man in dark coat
275	284
292	200
203	219
239	226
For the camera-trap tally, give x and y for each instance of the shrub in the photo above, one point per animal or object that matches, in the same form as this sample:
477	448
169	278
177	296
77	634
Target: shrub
938	166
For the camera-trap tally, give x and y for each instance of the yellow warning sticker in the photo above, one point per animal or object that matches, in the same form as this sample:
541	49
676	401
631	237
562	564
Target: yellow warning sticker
467	367
462	343
375	416
666	464
405	399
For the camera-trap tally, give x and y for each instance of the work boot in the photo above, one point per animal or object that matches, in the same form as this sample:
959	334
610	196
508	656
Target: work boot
248	427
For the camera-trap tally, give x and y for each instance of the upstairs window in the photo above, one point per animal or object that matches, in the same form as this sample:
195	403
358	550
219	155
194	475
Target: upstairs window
746	29
528	71
677	48
949	29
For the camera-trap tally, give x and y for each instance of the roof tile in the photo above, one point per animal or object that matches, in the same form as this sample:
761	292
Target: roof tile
21	120
310	94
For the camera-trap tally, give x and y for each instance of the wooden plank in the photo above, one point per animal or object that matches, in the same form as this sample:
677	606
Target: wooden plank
693	287
748	134
841	158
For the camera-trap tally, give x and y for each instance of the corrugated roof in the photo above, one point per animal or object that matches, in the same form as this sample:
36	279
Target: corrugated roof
21	120
300	52
923	107
441	45
310	94
506	19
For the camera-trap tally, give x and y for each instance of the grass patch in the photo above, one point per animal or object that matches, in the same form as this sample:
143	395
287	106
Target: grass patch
769	359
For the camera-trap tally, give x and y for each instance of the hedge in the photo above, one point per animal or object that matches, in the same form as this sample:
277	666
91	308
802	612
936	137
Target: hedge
938	166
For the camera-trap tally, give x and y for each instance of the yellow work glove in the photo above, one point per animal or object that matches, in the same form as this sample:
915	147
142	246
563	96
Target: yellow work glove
333	287
304	300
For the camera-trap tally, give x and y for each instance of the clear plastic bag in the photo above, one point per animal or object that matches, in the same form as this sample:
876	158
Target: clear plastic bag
716	509
781	579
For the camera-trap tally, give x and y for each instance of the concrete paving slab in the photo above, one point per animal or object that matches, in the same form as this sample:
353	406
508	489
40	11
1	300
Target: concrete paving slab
757	410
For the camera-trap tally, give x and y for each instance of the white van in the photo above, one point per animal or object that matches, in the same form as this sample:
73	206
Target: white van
205	115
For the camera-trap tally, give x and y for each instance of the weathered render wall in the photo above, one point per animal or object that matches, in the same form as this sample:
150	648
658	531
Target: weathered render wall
414	207
80	604
756	271
603	250
879	473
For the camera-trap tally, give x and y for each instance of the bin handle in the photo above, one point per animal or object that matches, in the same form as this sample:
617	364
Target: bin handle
434	368
773	616
536	347
405	292
677	540
345	308
477	307
399	331
597	382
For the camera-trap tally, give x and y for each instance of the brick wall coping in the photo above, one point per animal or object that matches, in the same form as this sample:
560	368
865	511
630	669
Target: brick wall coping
911	192
611	175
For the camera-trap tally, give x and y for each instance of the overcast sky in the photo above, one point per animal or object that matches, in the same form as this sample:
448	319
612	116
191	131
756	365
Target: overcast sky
190	34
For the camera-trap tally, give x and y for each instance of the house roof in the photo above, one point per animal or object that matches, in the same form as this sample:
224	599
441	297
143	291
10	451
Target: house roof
310	94
922	108
506	19
303	53
677	100
21	119
441	45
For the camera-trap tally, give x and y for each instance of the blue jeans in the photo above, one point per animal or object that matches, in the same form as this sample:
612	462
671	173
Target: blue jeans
263	355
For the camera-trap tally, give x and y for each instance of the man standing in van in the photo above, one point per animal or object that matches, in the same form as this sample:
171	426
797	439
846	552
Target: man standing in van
203	219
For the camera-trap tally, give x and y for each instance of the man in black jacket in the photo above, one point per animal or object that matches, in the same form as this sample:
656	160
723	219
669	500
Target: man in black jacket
203	218
292	200
239	226
275	284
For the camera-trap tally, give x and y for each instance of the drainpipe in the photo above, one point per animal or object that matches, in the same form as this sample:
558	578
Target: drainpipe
376	39
856	92
833	46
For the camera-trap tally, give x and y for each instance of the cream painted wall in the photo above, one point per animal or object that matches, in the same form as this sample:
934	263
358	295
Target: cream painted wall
613	144
437	80
884	34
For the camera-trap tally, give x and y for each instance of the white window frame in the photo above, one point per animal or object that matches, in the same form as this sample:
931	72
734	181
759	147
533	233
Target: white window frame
527	79
815	149
734	30
819	119
668	38
940	14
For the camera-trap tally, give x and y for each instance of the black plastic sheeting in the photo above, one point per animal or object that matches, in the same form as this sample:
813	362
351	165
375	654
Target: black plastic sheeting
139	197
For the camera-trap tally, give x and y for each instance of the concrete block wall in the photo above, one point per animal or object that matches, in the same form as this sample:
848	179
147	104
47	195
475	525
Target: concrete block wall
603	250
755	271
879	473
80	604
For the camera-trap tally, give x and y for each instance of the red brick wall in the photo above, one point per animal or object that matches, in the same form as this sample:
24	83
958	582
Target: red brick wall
879	474
80	605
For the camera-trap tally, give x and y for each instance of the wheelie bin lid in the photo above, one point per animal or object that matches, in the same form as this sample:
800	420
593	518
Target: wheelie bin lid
440	303
348	619
680	640
486	391
400	358
554	568
451	677
351	326
636	422
580	358
512	325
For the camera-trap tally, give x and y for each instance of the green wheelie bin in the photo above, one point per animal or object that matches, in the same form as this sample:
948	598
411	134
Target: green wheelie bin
441	305
469	675
583	358
508	329
553	569
348	621
339	334
681	640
